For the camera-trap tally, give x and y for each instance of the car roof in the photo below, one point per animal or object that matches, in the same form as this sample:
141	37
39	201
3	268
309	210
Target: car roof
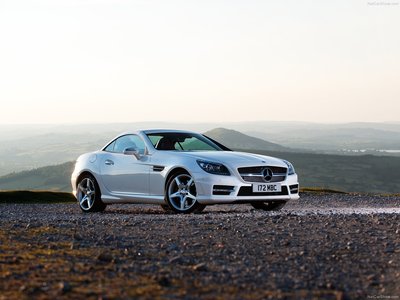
148	131
152	131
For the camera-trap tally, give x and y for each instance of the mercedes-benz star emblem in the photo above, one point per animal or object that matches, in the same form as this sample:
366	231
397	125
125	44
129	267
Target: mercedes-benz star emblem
267	174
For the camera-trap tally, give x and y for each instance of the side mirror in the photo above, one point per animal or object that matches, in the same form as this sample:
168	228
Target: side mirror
132	151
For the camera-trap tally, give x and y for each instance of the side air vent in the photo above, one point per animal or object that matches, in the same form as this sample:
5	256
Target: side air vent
158	168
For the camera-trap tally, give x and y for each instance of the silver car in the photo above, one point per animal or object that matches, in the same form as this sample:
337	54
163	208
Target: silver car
182	171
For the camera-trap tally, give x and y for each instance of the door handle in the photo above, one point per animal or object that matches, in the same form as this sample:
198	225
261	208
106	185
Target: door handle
109	162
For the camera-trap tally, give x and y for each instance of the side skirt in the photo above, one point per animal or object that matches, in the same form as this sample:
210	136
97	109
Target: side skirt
138	199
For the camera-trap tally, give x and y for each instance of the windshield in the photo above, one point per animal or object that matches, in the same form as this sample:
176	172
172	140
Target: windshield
181	141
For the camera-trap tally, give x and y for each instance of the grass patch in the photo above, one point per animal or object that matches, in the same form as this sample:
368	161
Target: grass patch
35	197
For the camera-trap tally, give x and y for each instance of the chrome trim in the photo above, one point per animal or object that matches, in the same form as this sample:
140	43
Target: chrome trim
224	190
260	175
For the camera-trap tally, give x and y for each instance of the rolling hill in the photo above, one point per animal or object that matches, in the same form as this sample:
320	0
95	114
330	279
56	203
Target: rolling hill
236	140
361	173
50	178
323	138
25	147
366	173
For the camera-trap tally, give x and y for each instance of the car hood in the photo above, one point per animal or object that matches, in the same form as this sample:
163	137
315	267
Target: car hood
236	159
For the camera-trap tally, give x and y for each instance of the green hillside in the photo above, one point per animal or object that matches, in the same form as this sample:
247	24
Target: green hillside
364	173
367	174
324	137
50	178
237	140
25	147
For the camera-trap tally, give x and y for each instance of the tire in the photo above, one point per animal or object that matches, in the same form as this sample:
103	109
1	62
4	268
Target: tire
89	195
180	194
269	206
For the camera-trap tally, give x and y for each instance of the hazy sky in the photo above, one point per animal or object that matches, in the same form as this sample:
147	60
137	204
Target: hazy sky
110	61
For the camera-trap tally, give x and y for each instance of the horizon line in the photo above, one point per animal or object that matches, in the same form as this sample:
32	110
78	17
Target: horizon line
199	123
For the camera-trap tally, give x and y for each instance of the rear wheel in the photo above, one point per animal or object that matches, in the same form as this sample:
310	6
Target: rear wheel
180	194
269	206
89	196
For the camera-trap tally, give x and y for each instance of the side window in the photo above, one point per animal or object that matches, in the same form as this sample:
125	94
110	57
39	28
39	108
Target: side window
129	141
110	148
154	139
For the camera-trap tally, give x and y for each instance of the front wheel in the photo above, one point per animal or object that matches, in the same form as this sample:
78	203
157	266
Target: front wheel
89	196
180	194
269	206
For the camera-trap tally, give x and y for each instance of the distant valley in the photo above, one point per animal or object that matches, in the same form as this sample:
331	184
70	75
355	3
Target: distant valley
236	140
25	147
361	173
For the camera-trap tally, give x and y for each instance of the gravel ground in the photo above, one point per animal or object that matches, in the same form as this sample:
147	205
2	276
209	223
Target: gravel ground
328	246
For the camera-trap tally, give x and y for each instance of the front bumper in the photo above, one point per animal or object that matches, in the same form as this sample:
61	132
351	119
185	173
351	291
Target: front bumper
241	190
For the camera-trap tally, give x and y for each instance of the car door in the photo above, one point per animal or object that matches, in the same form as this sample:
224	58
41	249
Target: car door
122	173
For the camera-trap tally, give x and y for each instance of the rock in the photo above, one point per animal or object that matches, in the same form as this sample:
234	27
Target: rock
77	237
105	257
15	259
164	281
64	287
173	247
175	259
200	267
389	249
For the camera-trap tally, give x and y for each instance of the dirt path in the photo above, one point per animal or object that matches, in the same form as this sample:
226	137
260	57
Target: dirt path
327	246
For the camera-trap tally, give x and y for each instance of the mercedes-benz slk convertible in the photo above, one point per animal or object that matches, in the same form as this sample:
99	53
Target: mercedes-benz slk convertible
182	171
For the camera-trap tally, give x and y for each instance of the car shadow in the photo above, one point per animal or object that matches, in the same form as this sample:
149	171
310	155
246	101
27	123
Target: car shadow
155	212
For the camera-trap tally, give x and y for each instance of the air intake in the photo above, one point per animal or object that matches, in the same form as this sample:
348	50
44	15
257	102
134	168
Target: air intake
223	189
294	189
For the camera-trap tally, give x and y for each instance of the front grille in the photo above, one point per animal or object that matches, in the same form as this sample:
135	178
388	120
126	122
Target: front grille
254	174
248	191
260	178
223	189
255	170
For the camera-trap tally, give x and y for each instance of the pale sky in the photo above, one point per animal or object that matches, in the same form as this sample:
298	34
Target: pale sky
78	61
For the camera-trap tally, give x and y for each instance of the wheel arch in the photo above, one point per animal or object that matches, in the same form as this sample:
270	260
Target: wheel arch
196	207
173	172
84	173
97	203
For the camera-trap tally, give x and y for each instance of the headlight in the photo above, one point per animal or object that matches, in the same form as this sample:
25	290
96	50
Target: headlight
213	168
291	170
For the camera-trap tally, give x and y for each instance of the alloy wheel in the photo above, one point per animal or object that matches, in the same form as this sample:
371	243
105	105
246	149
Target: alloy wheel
86	193
182	192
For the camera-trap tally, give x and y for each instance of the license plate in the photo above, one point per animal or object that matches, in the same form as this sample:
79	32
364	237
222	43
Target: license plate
267	188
